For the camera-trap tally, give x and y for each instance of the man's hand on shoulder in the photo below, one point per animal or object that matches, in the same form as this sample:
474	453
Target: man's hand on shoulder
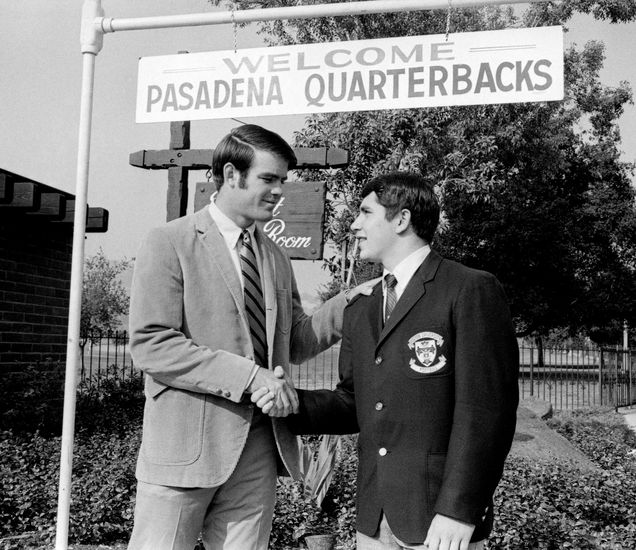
448	534
365	288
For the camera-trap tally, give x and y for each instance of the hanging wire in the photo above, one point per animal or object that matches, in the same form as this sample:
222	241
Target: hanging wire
448	18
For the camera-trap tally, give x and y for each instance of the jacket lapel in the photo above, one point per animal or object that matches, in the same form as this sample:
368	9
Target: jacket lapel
412	293
213	240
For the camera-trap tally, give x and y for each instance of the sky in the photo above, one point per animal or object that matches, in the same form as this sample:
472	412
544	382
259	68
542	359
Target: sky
41	65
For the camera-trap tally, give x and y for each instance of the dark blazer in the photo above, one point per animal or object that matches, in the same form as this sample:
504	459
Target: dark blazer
434	394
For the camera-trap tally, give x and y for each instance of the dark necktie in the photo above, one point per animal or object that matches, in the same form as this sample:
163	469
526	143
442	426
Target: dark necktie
254	302
391	296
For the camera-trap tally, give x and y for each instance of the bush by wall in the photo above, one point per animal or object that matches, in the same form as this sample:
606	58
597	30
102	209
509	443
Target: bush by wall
539	506
32	400
551	505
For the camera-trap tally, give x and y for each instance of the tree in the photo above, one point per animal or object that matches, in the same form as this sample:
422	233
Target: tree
104	297
535	193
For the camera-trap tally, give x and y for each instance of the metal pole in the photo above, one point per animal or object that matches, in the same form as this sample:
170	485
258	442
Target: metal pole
91	41
109	24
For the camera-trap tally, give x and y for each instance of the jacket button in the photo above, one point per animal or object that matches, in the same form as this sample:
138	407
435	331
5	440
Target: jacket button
378	360
382	451
228	394
218	391
379	406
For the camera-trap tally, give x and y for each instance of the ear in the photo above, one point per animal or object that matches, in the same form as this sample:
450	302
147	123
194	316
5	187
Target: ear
403	220
231	175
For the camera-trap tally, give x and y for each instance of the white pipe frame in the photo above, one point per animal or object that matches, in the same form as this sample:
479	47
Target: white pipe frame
94	26
309	11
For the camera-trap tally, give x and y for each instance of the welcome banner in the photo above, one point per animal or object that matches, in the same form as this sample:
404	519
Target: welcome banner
507	66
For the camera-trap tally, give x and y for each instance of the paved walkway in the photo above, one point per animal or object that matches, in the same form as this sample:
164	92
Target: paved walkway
629	414
536	441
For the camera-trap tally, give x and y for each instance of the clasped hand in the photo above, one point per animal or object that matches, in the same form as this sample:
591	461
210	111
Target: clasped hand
276	395
274	392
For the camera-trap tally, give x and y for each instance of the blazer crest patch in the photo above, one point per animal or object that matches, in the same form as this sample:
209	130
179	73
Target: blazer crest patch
427	346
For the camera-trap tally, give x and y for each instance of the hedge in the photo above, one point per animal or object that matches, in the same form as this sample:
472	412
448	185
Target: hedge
539	506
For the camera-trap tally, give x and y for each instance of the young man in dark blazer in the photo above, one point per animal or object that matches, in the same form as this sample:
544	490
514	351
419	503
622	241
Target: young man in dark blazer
428	376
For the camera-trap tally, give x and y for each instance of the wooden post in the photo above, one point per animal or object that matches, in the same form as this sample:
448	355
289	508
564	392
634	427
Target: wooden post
177	200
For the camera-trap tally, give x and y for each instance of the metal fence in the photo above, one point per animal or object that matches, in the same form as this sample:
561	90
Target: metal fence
569	378
578	378
103	355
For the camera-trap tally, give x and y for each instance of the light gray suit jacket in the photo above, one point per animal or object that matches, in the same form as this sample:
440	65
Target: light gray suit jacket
189	334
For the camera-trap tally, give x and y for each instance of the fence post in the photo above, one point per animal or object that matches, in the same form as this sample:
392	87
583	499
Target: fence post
531	371
617	386
600	379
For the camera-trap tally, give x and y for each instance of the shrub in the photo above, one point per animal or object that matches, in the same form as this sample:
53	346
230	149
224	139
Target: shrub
32	400
337	514
102	490
554	505
110	406
108	431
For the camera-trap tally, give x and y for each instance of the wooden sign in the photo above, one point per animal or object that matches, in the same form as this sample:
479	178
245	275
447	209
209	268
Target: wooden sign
298	217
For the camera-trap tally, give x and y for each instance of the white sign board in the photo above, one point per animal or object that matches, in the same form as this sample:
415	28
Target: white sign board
507	66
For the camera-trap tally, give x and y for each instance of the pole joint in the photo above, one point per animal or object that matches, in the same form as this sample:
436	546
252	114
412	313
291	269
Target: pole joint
91	34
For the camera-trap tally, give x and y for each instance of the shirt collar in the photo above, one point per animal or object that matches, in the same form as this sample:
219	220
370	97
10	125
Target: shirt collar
228	228
405	270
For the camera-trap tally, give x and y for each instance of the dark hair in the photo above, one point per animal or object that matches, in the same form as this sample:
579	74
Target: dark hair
239	145
399	190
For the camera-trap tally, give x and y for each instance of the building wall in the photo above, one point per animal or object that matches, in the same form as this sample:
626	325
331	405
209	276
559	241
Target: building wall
35	273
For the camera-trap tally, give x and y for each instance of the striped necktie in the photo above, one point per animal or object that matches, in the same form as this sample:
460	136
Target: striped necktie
254	302
391	296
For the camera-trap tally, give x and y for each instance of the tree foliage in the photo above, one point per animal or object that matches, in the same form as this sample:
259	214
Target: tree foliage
535	193
104	297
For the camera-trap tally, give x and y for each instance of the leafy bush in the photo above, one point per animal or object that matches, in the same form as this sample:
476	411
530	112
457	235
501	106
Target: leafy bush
110	406
32	400
539	505
554	505
108	431
600	434
102	491
337	513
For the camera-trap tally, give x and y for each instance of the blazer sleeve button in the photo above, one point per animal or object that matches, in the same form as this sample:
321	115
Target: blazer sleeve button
378	360
228	394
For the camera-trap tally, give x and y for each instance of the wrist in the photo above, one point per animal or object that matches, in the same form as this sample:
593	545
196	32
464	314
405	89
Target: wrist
250	380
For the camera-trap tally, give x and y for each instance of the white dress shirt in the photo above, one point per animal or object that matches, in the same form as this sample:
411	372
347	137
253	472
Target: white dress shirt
231	234
404	272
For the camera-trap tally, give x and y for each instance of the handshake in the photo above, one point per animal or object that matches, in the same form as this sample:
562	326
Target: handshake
273	392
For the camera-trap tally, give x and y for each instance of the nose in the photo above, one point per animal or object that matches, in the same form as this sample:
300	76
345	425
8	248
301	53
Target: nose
355	225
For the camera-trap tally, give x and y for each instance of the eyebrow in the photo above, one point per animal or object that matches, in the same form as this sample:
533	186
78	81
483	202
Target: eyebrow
271	175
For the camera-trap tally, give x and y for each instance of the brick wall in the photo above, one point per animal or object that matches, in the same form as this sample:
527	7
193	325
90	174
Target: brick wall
35	272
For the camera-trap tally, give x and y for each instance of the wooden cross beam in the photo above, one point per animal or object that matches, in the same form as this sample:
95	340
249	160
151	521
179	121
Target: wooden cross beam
179	159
